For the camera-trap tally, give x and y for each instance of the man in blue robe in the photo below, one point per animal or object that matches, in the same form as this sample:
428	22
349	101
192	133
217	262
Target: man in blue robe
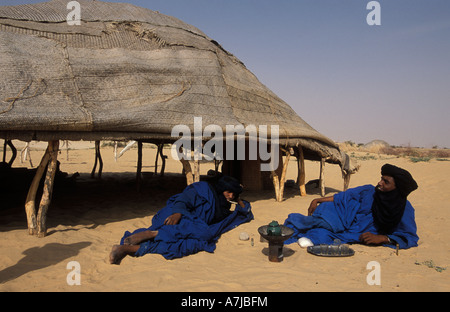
369	215
192	221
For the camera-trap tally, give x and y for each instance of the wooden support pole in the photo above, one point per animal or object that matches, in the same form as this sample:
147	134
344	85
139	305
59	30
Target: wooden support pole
156	158
66	145
53	147
159	153
25	154
139	167
30	203
95	162
196	170
187	171
100	160
278	183
216	165
14	153
13	150
322	177
98	157
301	171
163	159
346	177
283	175
4	151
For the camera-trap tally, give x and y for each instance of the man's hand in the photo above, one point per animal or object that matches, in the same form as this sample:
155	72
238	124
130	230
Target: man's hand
240	202
173	219
312	207
373	239
316	202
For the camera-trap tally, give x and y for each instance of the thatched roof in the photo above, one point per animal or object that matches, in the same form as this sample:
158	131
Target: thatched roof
128	73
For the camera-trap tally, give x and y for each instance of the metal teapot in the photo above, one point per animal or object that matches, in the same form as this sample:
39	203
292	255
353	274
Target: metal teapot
274	229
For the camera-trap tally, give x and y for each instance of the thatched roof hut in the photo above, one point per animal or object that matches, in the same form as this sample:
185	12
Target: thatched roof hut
129	73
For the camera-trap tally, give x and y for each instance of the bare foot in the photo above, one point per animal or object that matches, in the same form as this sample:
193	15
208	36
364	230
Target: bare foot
118	252
140	237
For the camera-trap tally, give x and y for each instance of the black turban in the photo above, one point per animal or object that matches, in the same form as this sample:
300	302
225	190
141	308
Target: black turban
230	184
404	182
388	207
224	183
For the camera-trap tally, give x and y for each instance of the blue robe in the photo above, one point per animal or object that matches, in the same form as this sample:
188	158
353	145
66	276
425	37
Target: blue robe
194	232
347	217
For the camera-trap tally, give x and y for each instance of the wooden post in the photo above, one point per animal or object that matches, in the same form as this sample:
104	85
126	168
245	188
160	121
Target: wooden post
187	171
321	177
4	151
53	147
30	206
66	142
163	159
25	154
14	153
100	160
159	153
301	171
156	158
346	177
283	175
13	150
197	170
98	157
139	167
278	183
217	164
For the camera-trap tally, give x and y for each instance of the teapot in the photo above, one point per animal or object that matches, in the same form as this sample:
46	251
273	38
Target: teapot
274	229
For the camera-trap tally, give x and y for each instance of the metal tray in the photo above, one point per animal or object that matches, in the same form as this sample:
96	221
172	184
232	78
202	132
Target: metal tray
331	250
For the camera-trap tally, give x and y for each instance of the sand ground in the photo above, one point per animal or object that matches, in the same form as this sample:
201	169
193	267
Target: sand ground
86	219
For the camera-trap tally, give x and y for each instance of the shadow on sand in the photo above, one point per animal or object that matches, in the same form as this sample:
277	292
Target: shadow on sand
37	258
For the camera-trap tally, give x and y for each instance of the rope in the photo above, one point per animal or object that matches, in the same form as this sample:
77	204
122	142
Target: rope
180	93
20	96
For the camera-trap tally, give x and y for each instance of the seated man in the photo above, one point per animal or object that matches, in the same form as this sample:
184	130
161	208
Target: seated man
370	215
191	222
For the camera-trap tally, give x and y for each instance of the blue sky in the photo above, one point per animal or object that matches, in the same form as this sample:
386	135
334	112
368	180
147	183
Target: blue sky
348	80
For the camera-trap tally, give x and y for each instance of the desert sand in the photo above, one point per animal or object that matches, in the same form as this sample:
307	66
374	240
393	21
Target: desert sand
85	220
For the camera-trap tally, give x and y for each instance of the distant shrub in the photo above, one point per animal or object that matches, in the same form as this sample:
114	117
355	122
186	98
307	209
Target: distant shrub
416	154
419	159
